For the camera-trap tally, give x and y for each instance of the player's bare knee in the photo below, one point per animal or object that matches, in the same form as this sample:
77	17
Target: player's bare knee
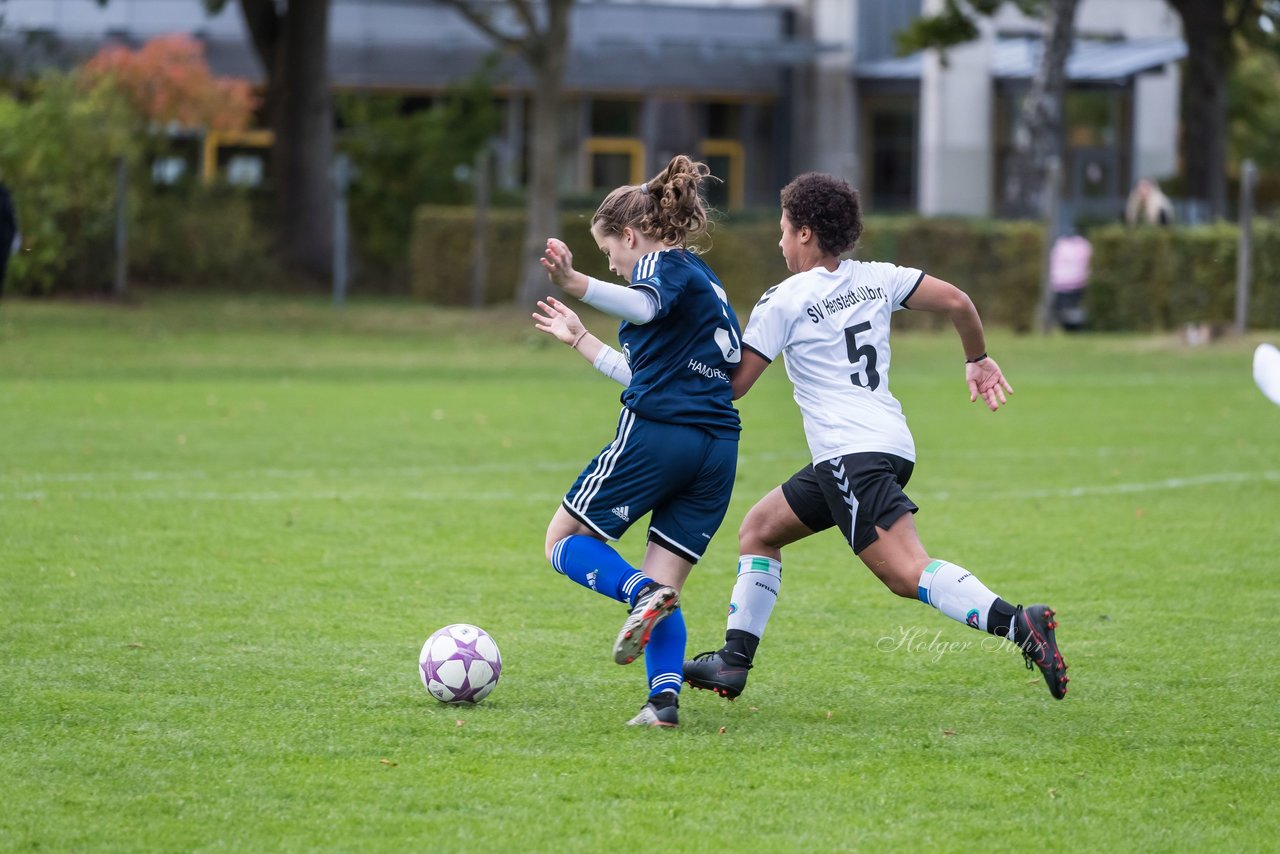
905	587
553	539
754	539
759	533
899	577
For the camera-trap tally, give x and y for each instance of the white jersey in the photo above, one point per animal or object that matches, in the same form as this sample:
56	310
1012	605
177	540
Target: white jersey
833	329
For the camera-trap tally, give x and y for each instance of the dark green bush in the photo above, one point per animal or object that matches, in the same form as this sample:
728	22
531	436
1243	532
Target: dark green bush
747	260
198	235
1162	278
996	263
57	154
402	159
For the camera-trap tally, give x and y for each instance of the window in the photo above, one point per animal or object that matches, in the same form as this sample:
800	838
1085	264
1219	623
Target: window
613	162
1091	118
241	158
726	160
892	175
615	118
722	151
1094	143
613	153
724	121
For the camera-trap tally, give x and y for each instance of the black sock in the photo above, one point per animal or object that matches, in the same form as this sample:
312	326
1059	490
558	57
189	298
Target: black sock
1000	617
739	646
641	592
663	699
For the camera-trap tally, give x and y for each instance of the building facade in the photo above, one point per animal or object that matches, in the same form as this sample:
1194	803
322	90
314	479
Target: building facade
761	89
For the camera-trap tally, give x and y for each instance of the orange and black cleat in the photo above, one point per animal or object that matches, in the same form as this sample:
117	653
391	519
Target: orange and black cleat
654	604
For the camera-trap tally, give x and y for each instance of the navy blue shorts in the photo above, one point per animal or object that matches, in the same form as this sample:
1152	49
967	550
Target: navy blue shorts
856	492
682	474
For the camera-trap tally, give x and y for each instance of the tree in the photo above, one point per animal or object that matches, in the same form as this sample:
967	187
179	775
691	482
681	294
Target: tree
168	82
1215	32
291	40
1038	133
1253	105
542	41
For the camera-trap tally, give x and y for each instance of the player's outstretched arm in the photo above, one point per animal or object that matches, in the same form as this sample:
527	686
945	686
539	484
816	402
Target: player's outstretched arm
987	381
981	373
557	260
747	372
563	323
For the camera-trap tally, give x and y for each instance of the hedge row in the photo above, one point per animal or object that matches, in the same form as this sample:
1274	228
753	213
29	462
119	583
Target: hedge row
997	263
1162	278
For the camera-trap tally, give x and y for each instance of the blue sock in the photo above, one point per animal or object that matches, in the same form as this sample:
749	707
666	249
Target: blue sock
664	654
595	565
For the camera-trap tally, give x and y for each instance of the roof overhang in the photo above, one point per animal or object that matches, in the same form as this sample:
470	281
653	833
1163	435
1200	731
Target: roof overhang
1015	59
416	45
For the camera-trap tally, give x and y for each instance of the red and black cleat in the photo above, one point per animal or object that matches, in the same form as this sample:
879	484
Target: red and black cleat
1033	632
710	671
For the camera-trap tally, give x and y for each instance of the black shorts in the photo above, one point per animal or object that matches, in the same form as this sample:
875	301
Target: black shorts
856	492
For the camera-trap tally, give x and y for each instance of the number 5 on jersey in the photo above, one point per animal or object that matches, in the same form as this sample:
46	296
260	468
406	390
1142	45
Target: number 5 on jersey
856	353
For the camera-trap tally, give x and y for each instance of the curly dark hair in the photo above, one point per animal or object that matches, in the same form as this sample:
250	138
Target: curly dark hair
828	206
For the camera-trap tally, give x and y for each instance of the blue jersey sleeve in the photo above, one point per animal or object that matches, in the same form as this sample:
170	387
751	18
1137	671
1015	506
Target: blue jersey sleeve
665	281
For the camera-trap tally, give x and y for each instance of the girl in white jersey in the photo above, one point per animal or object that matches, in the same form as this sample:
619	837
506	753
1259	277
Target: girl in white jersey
831	320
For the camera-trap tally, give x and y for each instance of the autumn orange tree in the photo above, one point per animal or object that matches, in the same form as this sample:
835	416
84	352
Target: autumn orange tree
168	83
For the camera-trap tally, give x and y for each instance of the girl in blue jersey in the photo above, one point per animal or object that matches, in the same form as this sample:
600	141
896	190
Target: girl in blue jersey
674	454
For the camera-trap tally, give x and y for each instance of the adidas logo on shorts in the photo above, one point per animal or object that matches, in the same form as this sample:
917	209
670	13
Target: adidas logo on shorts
623	513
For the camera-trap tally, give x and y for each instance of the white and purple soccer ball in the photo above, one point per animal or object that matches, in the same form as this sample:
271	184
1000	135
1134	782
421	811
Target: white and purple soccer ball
460	664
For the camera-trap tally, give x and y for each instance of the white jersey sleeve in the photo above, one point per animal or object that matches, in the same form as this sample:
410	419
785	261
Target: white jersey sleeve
769	328
901	282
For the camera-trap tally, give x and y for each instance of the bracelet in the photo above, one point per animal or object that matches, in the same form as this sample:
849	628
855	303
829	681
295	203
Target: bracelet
578	340
975	359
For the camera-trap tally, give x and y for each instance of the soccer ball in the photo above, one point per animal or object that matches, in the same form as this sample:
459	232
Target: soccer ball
459	664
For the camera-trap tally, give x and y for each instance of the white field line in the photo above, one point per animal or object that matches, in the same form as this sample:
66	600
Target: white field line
1115	488
398	472
359	493
421	473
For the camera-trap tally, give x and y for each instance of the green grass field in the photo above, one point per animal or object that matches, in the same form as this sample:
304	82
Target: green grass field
229	524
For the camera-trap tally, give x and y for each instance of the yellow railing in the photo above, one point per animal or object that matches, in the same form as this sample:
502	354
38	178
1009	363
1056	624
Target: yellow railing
633	148
736	179
239	139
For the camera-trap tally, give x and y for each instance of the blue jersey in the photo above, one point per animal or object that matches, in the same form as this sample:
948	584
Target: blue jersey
681	360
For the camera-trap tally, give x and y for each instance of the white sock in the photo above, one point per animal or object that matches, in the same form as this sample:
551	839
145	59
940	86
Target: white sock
754	593
956	592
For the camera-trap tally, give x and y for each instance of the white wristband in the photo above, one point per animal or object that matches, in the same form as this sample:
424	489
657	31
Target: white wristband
612	364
